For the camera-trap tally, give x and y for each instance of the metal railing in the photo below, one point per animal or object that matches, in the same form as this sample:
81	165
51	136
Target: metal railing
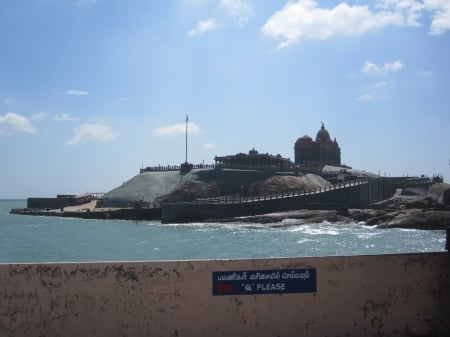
238	199
165	168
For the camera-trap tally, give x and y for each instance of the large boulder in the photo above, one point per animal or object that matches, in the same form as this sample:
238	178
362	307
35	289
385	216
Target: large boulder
436	192
189	190
446	197
286	184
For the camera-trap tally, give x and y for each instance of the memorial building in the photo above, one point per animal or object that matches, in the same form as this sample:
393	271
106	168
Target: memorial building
322	151
310	156
253	159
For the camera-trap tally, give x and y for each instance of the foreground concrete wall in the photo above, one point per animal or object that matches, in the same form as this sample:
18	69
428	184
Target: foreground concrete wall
384	295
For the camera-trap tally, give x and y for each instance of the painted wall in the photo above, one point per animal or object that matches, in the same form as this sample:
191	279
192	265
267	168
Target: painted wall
383	295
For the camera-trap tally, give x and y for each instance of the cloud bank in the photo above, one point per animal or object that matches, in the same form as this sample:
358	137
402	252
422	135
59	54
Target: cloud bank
176	129
73	92
389	67
304	19
12	122
240	11
373	69
203	27
63	117
235	11
97	133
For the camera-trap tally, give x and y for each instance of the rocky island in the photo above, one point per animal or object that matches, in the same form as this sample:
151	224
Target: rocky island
258	187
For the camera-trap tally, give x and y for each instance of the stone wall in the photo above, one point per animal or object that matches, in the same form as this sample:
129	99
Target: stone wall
350	196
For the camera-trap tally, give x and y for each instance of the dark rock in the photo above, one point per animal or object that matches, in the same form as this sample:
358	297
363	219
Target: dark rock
343	212
416	204
446	197
189	190
430	219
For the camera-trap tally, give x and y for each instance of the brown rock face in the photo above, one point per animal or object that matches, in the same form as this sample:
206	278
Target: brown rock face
284	184
190	190
446	197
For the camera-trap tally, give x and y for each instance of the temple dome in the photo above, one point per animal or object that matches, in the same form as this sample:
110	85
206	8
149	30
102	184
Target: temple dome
322	135
303	140
321	151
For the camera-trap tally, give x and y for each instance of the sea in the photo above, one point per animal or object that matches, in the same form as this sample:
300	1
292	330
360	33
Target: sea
26	239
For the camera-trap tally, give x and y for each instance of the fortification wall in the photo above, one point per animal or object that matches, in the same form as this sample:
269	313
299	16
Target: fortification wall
383	295
351	196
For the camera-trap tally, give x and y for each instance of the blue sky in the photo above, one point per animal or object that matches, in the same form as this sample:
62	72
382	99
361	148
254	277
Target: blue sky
91	90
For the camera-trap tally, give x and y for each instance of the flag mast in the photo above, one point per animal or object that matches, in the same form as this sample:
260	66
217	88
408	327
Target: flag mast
187	119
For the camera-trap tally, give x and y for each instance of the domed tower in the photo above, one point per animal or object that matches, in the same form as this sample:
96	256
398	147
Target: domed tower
321	151
323	136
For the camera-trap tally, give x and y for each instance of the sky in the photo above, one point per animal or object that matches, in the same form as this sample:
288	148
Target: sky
93	90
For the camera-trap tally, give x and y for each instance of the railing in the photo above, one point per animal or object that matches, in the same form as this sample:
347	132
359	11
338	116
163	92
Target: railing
280	168
238	199
164	168
415	182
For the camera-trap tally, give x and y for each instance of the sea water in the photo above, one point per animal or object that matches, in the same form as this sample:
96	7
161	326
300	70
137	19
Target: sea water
26	238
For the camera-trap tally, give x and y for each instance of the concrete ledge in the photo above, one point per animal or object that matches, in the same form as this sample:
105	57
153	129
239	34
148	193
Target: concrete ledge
401	295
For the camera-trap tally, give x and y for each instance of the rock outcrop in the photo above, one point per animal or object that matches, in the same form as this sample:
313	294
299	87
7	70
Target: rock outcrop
158	187
422	207
430	219
414	207
284	184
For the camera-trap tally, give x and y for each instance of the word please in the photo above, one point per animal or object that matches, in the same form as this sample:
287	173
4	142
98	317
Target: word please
270	286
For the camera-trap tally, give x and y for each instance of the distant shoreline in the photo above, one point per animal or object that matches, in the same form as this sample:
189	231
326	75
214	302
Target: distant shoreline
24	200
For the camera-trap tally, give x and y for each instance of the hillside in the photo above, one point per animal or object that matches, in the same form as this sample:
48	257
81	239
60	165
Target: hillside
157	187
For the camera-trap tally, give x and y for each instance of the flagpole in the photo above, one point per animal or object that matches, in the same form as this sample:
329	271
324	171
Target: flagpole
187	119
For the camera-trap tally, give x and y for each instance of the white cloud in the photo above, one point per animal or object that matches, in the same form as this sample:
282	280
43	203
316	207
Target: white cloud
39	115
410	10
203	27
366	97
440	9
374	69
63	117
85	133
12	122
371	91
176	129
304	19
435	11
73	92
239	10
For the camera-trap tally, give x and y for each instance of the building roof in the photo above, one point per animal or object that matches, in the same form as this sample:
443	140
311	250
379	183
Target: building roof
253	158
322	135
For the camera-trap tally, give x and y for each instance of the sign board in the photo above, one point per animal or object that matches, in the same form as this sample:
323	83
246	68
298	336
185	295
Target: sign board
254	282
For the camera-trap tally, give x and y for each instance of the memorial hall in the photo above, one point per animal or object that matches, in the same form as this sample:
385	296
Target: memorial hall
310	156
322	151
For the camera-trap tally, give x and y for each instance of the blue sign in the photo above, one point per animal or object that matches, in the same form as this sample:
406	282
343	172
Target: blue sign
253	282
